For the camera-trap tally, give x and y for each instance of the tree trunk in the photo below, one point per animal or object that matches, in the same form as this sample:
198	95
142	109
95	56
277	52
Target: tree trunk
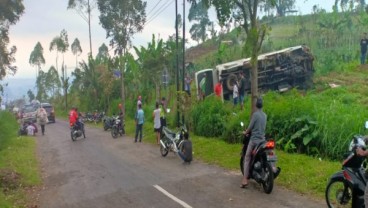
123	84
89	29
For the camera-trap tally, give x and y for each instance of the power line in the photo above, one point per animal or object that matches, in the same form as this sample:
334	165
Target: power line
159	11
154	7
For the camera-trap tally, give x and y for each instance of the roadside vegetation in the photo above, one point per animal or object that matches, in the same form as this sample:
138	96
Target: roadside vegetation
312	128
19	171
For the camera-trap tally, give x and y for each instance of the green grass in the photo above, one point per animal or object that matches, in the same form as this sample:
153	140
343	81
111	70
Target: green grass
17	154
301	173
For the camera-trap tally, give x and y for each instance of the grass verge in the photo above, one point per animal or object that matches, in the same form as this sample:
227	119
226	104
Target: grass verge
19	170
301	173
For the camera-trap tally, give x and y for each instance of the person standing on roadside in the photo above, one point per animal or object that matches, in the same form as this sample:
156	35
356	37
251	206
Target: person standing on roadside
139	102
42	119
139	120
218	88
187	82
241	90
202	87
235	92
157	122
363	48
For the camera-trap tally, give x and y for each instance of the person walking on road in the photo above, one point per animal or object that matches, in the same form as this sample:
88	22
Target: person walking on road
42	119
363	48
139	120
157	122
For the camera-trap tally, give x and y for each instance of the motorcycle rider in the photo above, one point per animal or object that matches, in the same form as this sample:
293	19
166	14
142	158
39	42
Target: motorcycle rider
257	128
73	117
364	153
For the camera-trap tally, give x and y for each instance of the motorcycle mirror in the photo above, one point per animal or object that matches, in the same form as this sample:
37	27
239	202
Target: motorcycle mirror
168	110
241	124
366	125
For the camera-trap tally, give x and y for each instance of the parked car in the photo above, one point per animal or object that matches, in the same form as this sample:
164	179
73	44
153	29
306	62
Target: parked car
50	111
29	112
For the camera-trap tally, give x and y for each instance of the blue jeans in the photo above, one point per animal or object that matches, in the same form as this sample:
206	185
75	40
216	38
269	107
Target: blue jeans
363	58
138	130
182	156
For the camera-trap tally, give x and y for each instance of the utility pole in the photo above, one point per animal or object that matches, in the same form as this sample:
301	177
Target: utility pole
177	63
183	69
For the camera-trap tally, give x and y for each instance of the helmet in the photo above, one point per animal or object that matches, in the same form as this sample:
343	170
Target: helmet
358	141
259	103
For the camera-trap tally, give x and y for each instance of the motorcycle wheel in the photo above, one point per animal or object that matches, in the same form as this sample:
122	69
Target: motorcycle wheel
338	194
268	182
164	151
114	132
72	136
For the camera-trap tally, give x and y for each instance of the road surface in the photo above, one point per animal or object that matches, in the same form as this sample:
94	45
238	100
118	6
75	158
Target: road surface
100	171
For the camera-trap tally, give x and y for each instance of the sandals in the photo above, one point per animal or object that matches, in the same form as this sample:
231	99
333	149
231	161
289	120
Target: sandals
243	185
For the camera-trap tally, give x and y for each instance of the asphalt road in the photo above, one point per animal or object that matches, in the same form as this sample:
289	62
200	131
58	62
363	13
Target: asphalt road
100	171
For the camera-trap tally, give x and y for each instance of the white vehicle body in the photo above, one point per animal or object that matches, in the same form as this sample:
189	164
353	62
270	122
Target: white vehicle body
278	70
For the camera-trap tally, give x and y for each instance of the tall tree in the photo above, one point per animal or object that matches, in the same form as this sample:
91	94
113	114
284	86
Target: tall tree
281	6
199	13
41	83
10	12
84	8
53	81
31	95
121	20
103	52
60	44
36	58
247	13
77	50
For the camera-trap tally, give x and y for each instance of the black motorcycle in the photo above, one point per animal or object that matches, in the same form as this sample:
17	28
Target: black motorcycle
262	166
108	122
118	127
77	130
346	187
171	141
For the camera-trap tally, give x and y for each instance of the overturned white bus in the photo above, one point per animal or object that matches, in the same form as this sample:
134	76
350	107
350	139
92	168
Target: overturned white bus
279	70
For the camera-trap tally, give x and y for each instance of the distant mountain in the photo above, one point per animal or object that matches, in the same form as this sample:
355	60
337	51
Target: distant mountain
15	88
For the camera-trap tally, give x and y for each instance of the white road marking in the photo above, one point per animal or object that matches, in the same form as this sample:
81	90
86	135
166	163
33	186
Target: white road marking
172	197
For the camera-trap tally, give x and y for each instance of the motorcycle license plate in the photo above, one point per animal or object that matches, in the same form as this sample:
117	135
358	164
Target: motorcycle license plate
271	158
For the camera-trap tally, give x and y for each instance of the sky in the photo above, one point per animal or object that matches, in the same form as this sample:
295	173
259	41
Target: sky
45	19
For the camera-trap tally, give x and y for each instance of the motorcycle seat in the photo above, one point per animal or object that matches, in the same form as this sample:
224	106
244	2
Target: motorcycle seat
168	132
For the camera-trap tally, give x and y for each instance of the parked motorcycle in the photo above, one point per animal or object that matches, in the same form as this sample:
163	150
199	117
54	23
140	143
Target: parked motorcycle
118	127
262	163
108	122
77	131
346	187
171	141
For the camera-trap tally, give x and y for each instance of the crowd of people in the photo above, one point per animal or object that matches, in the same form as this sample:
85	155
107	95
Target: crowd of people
29	127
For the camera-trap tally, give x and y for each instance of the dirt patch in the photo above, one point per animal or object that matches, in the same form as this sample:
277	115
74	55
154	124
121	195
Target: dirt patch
9	180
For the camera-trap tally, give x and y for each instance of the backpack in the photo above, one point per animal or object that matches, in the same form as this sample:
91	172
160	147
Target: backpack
43	117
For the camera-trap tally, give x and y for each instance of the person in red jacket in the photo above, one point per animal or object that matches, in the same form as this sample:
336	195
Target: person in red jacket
218	88
73	116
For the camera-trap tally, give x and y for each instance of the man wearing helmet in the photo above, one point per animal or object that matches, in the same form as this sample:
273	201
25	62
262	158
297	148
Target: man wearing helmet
257	128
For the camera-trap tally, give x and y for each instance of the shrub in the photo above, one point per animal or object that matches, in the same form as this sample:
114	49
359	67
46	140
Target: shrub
209	117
